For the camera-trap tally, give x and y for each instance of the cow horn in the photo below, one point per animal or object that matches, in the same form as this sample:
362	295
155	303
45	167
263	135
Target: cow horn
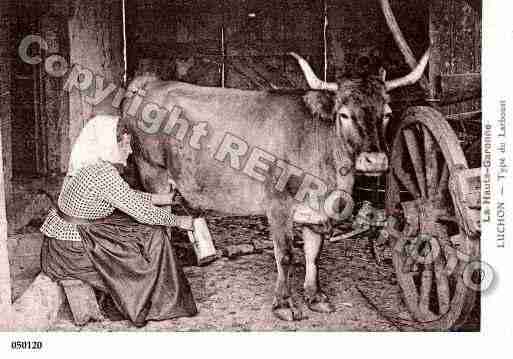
412	77
400	40
313	81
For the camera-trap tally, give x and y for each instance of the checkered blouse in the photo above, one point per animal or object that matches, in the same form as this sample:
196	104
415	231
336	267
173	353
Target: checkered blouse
94	192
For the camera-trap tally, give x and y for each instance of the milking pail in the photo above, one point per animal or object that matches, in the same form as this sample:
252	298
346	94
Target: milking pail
202	241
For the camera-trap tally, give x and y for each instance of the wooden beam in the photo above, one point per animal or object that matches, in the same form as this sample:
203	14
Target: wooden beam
171	50
435	60
211	48
455	88
237	8
465	116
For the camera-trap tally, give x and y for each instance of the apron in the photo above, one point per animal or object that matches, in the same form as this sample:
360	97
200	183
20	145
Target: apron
133	262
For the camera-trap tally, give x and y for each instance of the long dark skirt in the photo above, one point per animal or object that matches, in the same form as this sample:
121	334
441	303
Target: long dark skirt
133	262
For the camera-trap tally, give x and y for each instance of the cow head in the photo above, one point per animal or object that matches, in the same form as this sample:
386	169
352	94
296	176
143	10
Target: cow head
359	109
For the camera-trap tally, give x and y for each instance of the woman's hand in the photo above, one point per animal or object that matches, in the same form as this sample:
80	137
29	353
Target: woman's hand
184	222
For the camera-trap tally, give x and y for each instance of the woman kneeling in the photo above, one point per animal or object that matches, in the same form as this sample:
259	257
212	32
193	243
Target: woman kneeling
113	237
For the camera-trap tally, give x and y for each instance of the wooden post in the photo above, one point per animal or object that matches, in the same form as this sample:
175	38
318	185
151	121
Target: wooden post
434	59
325	39
223	54
5	273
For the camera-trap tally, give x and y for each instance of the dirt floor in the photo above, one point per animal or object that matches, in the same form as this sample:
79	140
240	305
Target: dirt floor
235	294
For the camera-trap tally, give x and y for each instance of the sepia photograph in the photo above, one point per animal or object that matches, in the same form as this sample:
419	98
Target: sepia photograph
242	166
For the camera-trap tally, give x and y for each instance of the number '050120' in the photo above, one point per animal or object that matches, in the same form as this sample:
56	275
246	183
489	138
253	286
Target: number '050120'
20	345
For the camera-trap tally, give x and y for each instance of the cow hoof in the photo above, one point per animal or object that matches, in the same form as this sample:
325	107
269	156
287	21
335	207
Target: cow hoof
320	303
322	307
287	310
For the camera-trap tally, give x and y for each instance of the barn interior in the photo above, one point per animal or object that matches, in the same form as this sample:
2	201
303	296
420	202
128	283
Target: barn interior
230	43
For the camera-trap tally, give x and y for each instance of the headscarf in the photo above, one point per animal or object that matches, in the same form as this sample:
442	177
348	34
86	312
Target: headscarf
97	142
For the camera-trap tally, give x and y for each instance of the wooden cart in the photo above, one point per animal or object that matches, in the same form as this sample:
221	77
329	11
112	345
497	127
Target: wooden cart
432	198
433	208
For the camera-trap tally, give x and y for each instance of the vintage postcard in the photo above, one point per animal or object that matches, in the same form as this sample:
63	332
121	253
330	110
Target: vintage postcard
252	166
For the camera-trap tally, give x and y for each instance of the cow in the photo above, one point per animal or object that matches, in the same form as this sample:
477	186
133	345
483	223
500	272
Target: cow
276	153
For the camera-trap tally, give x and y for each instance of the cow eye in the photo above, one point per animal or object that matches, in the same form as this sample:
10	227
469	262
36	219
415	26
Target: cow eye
344	116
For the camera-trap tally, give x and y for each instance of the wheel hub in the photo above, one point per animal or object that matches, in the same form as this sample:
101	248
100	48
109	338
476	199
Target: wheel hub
422	216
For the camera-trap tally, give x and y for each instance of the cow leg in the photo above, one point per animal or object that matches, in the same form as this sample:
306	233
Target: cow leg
314	297
283	306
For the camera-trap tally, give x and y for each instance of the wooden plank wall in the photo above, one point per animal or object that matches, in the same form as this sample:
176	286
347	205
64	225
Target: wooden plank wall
256	47
458	39
455	28
187	44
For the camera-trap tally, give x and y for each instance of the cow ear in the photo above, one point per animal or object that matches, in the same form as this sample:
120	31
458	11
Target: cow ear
320	103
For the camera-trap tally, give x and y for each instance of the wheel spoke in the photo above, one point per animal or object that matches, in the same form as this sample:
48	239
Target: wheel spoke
425	289
444	178
431	163
447	252
414	151
404	276
398	171
404	177
451	260
426	285
392	194
407	182
442	286
409	287
442	262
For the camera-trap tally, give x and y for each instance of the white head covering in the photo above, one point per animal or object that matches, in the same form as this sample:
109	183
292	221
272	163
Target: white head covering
96	142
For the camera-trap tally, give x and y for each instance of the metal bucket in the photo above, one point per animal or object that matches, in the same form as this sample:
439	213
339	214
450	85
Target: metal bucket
202	242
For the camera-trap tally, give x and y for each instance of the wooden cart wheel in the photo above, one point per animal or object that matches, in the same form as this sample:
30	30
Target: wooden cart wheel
430	251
